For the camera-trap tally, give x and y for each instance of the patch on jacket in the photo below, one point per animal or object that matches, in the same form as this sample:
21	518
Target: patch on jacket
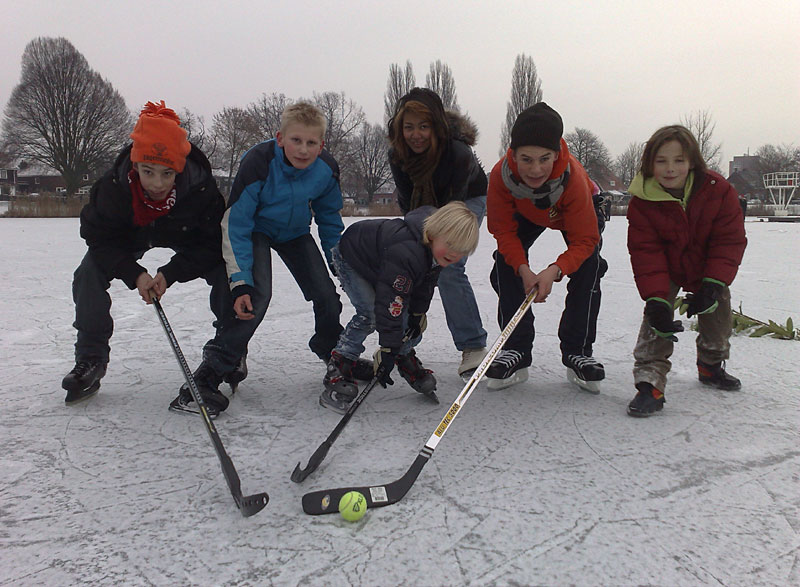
402	284
396	307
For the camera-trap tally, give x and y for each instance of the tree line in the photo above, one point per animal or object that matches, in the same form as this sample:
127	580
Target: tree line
66	116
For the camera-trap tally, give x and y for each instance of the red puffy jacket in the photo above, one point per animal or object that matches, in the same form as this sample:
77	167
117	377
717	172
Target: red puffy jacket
669	244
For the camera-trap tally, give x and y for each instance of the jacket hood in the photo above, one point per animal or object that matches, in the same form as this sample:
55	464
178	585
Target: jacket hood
416	219
196	171
462	127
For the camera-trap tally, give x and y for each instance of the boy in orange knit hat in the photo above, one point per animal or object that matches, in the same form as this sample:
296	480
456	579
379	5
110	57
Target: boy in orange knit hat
158	194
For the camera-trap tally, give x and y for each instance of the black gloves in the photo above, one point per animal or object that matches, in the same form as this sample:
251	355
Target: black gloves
705	300
383	364
417	323
658	312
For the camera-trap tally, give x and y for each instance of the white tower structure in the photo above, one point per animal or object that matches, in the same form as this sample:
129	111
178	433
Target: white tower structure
782	186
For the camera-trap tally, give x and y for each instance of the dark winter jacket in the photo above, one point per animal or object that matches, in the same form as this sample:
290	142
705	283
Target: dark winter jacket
669	244
191	227
390	255
459	175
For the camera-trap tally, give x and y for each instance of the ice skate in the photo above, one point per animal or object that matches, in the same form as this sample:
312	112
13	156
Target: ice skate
239	374
421	379
585	372
83	381
207	382
340	386
508	368
470	360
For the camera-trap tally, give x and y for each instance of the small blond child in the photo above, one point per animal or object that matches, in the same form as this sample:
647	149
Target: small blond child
281	185
389	269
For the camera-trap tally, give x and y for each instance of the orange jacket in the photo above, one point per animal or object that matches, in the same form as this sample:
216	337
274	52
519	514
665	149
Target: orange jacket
573	214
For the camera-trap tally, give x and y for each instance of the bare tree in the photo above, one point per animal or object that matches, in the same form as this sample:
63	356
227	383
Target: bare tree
371	158
345	119
266	114
774	158
63	114
399	84
234	132
702	125
627	164
440	80
526	90
590	151
197	133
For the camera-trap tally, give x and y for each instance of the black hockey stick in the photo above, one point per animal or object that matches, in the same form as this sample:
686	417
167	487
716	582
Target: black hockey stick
299	475
247	504
326	501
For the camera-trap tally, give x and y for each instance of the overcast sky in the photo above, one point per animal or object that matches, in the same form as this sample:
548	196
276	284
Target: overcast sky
619	68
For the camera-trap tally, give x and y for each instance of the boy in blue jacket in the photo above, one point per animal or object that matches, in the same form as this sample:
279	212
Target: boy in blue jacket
389	269
279	185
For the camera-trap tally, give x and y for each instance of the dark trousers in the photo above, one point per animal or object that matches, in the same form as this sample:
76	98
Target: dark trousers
305	262
93	306
578	327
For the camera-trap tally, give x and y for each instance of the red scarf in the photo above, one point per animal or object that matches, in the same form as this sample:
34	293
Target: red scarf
146	210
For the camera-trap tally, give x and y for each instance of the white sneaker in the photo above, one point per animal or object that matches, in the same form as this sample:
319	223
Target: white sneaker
470	359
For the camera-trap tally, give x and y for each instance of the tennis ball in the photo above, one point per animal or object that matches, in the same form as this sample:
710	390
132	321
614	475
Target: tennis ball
353	506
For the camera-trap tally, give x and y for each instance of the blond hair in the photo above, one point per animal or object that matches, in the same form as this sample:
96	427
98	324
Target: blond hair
456	224
306	114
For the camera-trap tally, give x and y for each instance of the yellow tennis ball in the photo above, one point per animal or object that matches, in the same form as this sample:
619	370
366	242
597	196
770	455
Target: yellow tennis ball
353	506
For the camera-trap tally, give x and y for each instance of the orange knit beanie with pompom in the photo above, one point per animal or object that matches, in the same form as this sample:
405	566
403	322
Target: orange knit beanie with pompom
158	138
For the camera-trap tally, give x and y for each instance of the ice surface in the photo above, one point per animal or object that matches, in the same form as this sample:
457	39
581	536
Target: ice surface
536	484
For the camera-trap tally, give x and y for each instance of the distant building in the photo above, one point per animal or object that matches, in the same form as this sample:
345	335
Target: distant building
34	178
744	163
8	182
744	174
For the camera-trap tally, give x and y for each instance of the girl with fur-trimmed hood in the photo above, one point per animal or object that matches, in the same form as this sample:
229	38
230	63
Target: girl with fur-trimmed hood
433	163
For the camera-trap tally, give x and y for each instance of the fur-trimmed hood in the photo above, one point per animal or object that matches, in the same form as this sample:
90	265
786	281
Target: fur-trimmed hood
462	127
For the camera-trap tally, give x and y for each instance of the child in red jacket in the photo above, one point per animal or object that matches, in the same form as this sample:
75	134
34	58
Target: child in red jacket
685	230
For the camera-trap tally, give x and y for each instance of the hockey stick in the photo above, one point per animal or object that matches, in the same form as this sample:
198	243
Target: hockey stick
249	504
299	475
326	501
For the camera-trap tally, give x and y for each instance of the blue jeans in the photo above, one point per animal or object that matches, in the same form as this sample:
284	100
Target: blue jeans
460	307
362	295
305	262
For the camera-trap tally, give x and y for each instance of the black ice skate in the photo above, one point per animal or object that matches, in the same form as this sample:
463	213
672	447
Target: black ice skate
239	374
716	376
585	372
83	381
647	402
340	386
421	379
208	385
508	368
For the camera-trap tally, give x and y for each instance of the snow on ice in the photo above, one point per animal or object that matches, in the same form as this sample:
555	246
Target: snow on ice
536	484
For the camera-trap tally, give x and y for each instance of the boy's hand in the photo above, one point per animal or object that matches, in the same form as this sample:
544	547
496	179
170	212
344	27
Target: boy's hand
528	278
658	312
383	363
151	287
243	307
705	300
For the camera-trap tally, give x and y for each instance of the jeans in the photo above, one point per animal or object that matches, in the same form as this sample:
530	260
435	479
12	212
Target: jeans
93	306
460	307
305	262
362	295
578	327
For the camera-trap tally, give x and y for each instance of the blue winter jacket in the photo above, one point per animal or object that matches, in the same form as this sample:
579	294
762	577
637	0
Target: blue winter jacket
272	197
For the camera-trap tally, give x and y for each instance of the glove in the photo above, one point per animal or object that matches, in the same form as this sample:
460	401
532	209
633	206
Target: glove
705	300
417	324
383	364
658	312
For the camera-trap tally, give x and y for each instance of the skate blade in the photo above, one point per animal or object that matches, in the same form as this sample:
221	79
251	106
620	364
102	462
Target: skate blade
76	397
592	387
467	375
181	409
517	377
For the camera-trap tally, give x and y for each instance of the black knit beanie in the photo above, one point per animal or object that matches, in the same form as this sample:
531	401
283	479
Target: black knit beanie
539	126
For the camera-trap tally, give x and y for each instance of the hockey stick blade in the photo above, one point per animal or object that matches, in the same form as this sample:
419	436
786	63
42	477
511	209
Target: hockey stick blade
247	505
327	501
299	475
